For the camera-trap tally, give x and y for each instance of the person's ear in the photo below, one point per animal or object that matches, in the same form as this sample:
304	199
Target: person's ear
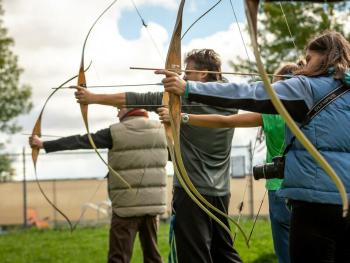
203	76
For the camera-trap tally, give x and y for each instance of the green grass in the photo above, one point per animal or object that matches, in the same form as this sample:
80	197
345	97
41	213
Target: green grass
91	245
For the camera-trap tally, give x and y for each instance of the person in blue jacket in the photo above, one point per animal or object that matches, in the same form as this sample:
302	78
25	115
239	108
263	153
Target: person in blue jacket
318	232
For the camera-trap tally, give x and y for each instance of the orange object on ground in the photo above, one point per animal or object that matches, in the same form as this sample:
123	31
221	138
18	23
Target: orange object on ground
33	219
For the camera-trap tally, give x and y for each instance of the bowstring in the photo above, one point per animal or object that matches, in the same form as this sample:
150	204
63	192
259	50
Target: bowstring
241	35
288	27
294	44
86	123
145	25
200	17
282	146
241	204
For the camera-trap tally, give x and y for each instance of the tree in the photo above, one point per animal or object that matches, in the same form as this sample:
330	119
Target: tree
14	98
305	20
6	171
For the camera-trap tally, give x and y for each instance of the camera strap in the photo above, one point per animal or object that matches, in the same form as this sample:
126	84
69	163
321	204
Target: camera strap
318	107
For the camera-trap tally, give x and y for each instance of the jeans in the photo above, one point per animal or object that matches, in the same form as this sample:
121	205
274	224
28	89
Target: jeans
280	221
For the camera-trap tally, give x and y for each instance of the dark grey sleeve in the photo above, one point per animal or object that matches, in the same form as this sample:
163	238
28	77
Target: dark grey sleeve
102	139
149	101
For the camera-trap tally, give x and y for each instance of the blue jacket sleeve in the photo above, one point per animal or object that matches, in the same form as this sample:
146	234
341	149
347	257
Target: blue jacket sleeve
295	94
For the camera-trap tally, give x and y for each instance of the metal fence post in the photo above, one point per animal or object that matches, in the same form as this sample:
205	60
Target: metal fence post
24	188
251	190
55	202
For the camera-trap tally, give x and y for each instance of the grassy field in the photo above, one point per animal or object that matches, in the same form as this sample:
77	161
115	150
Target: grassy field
91	244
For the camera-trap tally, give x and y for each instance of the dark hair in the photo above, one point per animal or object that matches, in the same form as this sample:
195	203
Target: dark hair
336	51
205	59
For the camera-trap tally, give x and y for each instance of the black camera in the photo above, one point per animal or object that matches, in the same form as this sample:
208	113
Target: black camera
270	170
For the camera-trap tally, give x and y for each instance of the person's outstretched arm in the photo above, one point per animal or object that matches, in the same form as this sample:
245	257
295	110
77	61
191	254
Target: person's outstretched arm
102	139
243	120
149	101
84	96
294	93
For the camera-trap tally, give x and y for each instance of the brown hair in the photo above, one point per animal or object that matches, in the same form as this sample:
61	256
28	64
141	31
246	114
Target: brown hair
336	51
205	59
288	68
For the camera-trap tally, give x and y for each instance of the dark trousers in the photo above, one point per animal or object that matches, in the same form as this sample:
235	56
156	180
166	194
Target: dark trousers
198	237
319	233
122	236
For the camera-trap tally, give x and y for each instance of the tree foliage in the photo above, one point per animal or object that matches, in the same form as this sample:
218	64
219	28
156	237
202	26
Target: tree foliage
14	97
6	171
305	20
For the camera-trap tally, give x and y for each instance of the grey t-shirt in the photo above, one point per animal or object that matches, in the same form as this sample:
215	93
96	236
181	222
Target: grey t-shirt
205	151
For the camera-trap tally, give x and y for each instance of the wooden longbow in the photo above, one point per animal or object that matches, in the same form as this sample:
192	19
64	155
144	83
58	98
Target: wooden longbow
172	132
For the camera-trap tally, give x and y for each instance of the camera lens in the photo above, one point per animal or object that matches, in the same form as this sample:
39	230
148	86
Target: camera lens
259	172
270	170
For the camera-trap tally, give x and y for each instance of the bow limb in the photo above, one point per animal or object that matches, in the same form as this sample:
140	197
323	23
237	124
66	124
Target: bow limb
172	132
173	61
84	108
247	179
251	9
251	16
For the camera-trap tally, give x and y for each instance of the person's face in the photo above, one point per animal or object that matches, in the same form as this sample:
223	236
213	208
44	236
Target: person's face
194	76
313	59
